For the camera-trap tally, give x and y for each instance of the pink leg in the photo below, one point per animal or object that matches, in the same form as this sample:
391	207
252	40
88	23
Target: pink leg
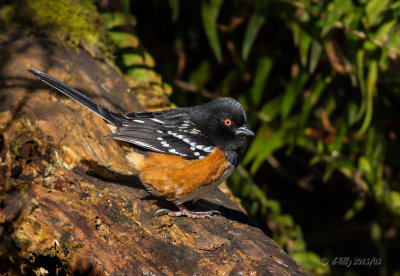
183	211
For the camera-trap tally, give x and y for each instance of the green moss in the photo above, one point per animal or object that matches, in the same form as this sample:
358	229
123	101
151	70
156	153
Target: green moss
70	23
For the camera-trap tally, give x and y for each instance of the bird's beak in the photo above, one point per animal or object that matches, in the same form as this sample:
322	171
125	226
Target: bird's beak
244	130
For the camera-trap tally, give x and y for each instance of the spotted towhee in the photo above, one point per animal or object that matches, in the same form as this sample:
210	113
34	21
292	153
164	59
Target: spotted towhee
180	154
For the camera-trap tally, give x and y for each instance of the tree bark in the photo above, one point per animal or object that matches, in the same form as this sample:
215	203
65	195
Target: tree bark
68	201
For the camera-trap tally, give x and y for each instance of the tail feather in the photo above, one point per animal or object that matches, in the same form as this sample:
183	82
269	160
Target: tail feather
111	117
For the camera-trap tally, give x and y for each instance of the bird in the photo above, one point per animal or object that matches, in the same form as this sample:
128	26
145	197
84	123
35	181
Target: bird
179	154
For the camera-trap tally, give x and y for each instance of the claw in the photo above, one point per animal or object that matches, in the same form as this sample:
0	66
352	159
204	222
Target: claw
161	212
183	211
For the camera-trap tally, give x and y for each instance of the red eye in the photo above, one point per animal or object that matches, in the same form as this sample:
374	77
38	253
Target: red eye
227	122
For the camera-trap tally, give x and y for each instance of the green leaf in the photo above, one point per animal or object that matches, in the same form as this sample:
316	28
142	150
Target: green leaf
262	72
352	109
136	59
315	54
257	19
269	145
299	245
330	168
145	75
116	19
376	232
334	13
395	40
296	33
285	220
174	4
372	78
336	145
209	13
395	202
364	165
201	75
369	46
123	40
360	73
148	60
274	206
304	46
378	150
312	97
270	109
384	30
292	92
374	10
261	135
357	206
131	59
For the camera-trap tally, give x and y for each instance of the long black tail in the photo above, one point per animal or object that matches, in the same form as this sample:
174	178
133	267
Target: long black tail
111	117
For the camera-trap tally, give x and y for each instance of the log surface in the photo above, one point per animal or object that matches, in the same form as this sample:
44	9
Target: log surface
69	202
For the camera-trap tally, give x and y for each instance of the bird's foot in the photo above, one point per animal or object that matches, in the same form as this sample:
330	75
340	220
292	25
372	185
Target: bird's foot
183	211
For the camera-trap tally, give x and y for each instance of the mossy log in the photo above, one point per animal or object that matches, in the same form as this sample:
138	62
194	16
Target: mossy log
70	204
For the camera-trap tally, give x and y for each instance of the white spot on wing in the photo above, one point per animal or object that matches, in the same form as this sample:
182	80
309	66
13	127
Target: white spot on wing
159	131
208	149
139	121
174	151
157	121
143	144
160	139
200	147
196	153
165	144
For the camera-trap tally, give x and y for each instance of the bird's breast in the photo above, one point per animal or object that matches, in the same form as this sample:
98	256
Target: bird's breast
179	179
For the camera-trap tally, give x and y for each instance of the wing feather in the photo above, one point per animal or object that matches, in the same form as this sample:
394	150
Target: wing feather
163	134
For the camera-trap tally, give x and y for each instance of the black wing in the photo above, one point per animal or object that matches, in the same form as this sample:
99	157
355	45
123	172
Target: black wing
165	132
